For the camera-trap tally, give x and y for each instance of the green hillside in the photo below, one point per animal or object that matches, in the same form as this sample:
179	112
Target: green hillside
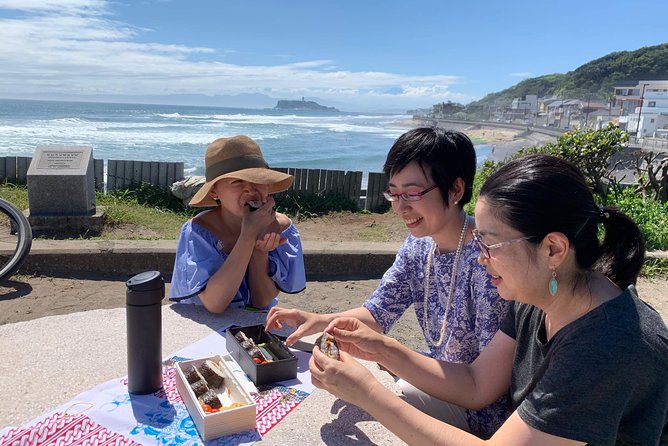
595	79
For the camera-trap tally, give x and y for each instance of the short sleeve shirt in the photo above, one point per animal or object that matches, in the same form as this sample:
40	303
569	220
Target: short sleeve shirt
602	379
473	317
199	254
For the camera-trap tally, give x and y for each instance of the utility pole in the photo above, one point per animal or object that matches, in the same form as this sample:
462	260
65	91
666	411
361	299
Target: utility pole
642	97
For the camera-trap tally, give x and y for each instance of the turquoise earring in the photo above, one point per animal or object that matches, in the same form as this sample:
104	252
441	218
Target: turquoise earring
552	284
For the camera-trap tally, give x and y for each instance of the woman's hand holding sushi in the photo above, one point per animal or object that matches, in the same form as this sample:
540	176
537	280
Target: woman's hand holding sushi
357	339
345	378
255	224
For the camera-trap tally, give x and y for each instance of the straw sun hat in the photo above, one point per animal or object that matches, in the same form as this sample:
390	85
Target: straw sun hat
237	157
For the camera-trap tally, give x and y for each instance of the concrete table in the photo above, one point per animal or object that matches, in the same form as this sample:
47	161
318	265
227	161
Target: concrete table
49	361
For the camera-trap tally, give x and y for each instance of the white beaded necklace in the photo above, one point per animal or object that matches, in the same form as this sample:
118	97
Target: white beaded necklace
427	322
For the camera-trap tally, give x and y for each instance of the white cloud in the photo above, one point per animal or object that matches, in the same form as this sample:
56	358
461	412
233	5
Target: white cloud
63	7
73	47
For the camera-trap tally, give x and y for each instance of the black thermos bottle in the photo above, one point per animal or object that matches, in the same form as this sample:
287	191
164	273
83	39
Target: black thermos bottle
144	295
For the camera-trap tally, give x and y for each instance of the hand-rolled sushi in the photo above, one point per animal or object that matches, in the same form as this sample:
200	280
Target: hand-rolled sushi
241	336
199	387
255	352
328	346
212	374
192	375
211	398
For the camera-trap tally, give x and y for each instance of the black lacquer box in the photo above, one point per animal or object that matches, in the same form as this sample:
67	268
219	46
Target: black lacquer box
282	364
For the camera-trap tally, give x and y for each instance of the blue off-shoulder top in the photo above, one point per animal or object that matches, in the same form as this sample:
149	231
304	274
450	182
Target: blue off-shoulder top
199	254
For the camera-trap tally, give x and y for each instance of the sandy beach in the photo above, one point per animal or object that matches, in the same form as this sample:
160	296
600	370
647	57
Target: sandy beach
506	142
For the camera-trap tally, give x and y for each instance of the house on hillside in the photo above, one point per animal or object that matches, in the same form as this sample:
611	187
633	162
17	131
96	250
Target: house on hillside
565	113
643	107
523	110
602	116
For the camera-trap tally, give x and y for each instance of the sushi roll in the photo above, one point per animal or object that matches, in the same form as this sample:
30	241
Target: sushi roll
192	375
212	374
211	398
328	345
254	205
255	352
199	387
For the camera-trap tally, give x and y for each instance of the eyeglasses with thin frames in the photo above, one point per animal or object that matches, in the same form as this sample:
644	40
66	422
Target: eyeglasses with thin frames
414	196
485	248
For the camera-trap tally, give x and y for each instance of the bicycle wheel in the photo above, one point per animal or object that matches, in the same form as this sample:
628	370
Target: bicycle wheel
15	239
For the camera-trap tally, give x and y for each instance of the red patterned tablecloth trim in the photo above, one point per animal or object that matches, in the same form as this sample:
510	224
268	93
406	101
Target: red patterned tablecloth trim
273	404
59	428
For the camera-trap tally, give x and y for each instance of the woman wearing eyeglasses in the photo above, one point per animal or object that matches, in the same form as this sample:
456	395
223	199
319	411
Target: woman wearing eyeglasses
436	271
584	360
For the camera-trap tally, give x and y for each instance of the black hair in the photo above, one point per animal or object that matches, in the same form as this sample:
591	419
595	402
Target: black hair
539	194
449	154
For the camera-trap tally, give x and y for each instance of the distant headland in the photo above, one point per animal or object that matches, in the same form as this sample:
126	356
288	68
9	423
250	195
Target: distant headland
303	106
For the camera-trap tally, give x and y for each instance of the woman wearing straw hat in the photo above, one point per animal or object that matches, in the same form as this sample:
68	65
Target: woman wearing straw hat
241	252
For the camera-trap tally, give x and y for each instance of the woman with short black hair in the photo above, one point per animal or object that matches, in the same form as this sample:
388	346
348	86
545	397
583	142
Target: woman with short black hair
430	172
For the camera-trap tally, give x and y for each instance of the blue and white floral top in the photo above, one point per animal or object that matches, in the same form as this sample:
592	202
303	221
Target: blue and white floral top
474	317
199	254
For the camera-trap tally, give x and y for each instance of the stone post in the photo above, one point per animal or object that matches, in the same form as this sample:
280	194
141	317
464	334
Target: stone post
61	192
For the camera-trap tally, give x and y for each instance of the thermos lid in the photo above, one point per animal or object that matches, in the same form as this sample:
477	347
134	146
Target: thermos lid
145	288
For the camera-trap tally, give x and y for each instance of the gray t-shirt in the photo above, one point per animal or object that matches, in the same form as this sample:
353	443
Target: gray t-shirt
602	379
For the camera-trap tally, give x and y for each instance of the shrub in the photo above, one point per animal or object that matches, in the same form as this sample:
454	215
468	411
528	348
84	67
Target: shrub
301	205
148	195
650	215
590	150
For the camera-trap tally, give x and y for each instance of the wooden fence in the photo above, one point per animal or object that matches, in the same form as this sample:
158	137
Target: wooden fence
121	173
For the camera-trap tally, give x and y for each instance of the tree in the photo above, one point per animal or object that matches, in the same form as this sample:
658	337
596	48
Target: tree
590	150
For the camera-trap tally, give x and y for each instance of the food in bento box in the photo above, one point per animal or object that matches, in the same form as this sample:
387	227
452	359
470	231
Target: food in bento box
328	346
211	399
206	382
220	411
192	375
217	402
212	373
260	353
199	387
241	337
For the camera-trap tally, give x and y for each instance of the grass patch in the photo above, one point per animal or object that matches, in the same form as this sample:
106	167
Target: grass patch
150	222
149	212
655	268
15	194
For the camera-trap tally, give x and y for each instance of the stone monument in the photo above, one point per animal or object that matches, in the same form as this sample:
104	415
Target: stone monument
61	192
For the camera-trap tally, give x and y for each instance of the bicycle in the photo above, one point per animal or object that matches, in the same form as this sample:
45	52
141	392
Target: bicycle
15	239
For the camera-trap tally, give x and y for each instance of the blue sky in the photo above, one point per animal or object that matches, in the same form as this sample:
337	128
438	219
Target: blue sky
360	55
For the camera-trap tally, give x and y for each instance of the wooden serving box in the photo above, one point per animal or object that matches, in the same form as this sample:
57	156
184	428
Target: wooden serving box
217	424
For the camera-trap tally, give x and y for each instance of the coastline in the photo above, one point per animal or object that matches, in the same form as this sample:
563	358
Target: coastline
504	142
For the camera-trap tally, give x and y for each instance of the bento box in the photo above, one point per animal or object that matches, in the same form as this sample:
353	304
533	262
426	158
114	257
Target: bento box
264	357
210	381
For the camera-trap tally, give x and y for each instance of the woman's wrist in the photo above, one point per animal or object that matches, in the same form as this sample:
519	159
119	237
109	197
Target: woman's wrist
388	353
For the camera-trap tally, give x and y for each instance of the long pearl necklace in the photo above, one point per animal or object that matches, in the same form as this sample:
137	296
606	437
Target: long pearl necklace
453	282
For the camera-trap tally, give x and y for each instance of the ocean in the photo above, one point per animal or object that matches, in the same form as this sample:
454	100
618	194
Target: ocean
318	140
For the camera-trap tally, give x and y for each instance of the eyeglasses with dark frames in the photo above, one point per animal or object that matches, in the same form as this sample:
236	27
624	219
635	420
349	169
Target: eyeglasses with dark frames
485	248
414	196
